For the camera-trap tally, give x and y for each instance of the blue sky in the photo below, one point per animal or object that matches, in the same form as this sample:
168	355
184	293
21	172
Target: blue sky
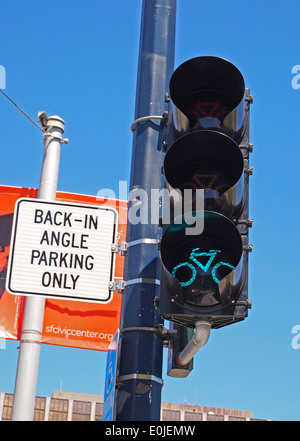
79	60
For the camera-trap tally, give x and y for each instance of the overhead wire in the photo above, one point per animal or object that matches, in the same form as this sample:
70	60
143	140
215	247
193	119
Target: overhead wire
18	107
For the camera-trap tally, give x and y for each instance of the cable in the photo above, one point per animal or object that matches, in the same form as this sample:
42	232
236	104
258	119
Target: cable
21	110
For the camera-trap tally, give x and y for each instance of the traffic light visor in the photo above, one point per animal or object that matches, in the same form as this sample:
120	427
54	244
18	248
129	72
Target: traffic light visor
210	161
207	93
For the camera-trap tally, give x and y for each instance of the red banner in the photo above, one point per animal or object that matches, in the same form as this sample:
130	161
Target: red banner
66	323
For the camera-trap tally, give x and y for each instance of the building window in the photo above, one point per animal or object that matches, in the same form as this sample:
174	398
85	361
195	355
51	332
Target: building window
192	416
7	407
39	409
58	409
81	410
213	417
99	412
171	415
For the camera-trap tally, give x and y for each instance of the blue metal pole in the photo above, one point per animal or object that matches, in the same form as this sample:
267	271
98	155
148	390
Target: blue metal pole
141	347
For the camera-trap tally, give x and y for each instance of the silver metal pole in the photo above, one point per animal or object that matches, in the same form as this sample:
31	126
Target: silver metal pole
30	344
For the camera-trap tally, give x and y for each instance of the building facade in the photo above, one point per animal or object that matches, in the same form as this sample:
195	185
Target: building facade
68	406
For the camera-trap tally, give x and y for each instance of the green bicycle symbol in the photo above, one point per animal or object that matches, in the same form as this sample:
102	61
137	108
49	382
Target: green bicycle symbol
193	257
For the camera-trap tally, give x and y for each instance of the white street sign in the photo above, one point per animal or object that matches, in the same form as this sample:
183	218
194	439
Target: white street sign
62	250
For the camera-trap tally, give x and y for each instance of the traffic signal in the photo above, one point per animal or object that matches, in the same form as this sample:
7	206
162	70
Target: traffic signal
178	342
204	248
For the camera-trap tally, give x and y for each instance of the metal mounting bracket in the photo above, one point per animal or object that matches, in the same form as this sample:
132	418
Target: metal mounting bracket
121	248
120	285
160	330
163	118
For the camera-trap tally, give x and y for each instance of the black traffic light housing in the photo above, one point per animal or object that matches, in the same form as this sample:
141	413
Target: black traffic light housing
205	272
179	341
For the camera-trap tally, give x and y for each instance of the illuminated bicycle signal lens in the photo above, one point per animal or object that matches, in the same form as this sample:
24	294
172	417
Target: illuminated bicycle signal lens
196	263
191	267
218	265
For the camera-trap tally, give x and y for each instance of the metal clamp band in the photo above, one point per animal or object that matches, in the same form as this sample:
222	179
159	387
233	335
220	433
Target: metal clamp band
141	377
159	330
144	240
120	285
121	248
142	280
30	341
137	328
59	138
31	331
